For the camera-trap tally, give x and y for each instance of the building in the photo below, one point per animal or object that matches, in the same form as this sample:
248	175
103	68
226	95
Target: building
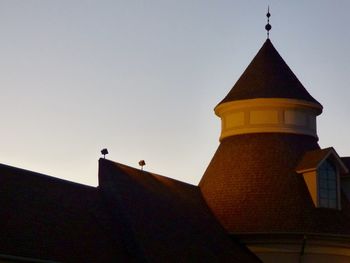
270	193
269	182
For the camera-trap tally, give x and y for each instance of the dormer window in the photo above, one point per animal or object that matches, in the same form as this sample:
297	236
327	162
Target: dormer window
327	182
321	171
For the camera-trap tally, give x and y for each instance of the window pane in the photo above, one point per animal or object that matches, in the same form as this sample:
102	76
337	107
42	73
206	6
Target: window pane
323	184
322	175
332	194
323	193
332	184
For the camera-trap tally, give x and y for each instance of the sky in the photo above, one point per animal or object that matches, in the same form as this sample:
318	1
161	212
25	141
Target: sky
142	78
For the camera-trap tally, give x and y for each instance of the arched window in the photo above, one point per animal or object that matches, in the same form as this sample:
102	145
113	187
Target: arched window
327	185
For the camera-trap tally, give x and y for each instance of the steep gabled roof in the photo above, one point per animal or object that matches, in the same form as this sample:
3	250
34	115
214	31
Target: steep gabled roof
268	76
313	159
166	220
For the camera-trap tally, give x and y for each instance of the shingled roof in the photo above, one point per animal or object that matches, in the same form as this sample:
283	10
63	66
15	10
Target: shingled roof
133	216
45	218
252	186
268	76
167	220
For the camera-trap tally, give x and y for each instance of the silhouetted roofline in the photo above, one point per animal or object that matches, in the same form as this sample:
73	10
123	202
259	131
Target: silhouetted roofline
121	165
41	175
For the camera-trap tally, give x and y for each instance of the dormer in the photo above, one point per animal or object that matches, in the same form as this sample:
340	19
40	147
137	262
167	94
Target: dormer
321	170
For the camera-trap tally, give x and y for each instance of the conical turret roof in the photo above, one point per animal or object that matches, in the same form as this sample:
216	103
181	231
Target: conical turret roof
268	76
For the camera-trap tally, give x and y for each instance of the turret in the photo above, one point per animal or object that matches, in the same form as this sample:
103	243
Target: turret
268	98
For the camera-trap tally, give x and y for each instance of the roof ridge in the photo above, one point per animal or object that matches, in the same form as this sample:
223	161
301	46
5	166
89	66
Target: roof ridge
147	172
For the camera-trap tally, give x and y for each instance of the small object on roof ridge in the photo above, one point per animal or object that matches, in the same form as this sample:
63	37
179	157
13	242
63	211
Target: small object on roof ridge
268	26
104	152
142	163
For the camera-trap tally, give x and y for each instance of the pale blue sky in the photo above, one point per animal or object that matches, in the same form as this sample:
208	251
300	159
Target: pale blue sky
142	78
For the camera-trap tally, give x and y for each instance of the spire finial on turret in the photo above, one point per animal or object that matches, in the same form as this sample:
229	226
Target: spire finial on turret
268	26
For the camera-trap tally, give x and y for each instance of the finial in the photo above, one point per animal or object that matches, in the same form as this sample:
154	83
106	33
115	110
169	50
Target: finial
268	26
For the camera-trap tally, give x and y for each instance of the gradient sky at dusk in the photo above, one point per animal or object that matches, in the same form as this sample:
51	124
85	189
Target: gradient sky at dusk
142	78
